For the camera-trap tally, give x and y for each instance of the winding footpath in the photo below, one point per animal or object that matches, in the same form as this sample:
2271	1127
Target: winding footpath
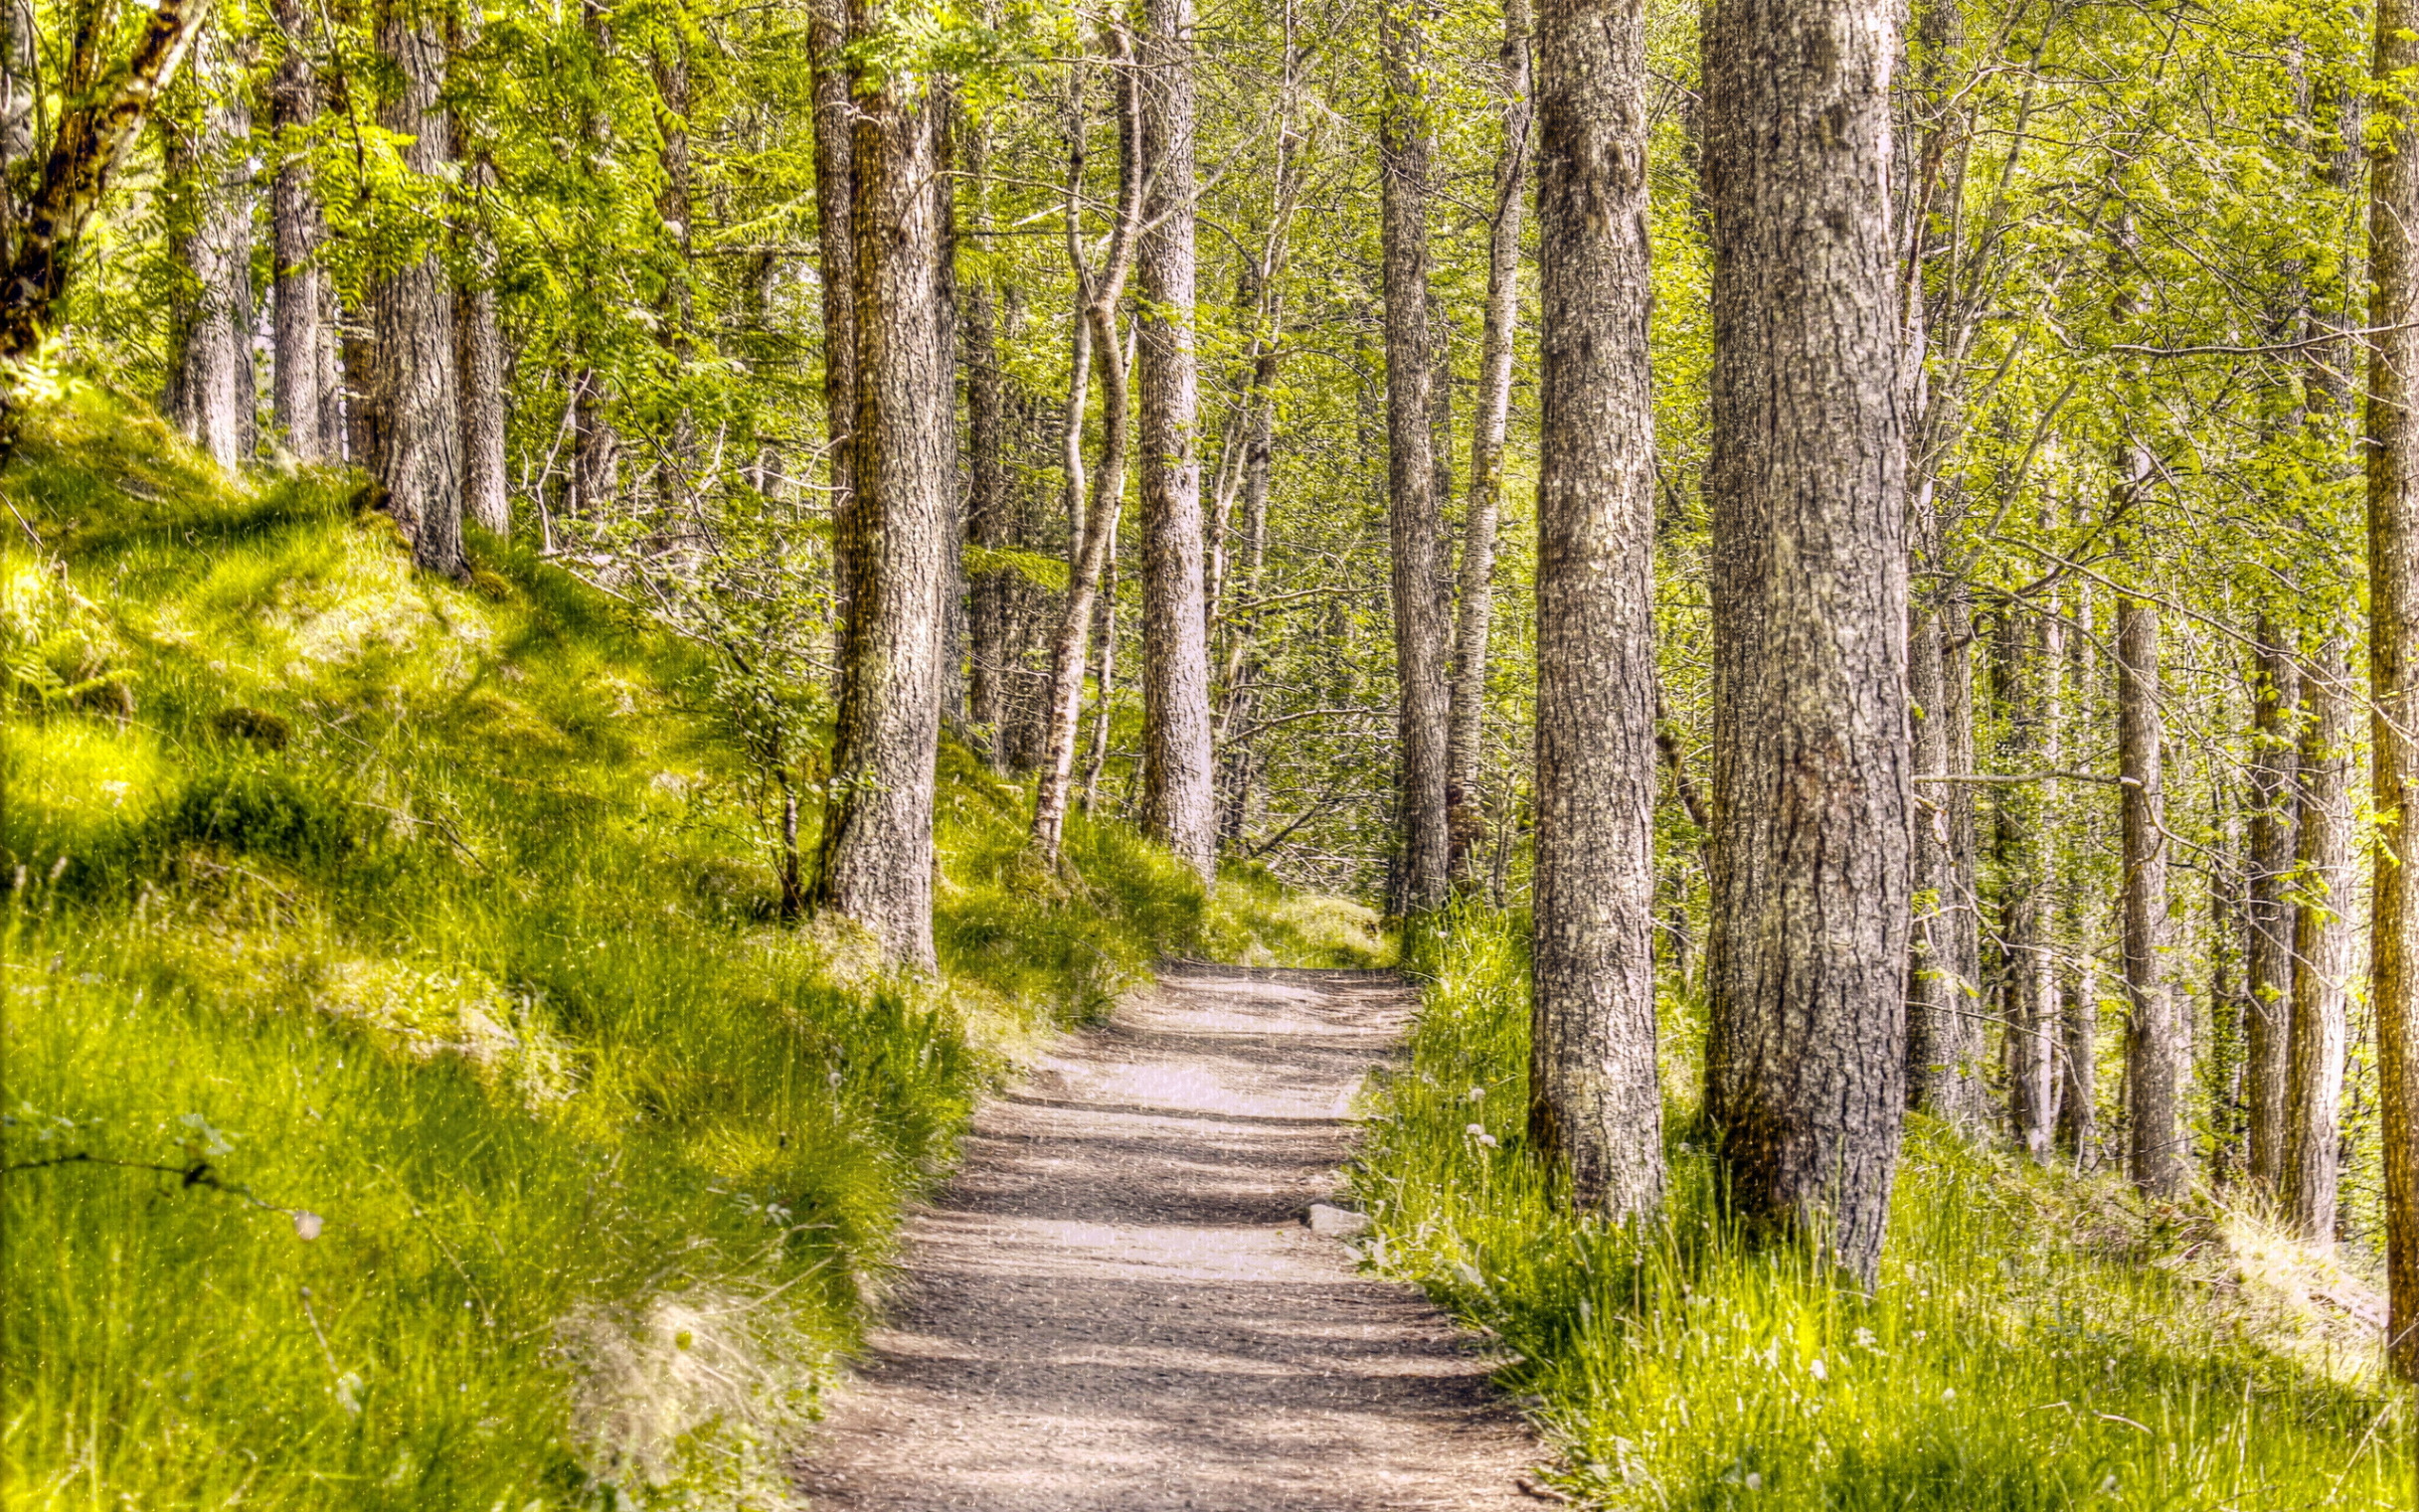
1116	1306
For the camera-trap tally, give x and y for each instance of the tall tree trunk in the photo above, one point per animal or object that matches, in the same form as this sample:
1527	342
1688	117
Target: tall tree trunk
1944	1047
1805	1075
876	864
1594	1104
20	86
1413	513
1094	497
991	509
210	395
420	472
480	357
1467	721
297	231
2153	1071
1179	800
2393	678
827	30
2321	949
2028	661
2266	914
595	443
2078	984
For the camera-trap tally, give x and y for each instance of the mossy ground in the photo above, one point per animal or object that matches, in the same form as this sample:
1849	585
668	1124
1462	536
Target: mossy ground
2036	1341
463	1130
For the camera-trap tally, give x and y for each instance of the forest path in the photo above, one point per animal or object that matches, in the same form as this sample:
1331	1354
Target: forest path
1116	1306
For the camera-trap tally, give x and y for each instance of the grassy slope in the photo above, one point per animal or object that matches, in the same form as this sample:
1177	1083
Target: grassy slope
2036	1341
433	919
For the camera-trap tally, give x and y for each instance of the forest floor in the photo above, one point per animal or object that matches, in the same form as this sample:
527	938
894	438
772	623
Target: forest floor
1116	1304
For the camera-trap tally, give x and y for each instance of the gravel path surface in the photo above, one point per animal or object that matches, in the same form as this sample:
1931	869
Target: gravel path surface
1116	1306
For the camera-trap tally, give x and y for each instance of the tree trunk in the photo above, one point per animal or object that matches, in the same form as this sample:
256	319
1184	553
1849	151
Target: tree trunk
1179	800
989	505
2028	660
1412	509
1944	1033
595	444
1092	500
827	30
2079	985
419	471
210	395
2266	914
1465	805
877	847
297	231
1805	1075
481	358
2153	1068
1595	1102
2322	951
2393	681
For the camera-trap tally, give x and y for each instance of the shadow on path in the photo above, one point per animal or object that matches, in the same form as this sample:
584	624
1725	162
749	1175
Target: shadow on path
1115	1307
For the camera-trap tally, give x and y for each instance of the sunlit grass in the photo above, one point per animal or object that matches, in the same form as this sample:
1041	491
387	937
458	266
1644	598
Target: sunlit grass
464	1130
2035	1341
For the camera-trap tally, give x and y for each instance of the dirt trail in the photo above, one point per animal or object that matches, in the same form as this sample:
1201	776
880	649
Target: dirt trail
1116	1306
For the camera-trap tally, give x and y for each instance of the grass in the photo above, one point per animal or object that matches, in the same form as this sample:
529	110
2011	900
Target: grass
409	1100
2036	1341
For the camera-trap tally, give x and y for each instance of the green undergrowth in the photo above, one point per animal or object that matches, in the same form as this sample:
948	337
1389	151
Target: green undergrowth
411	1098
2036	1341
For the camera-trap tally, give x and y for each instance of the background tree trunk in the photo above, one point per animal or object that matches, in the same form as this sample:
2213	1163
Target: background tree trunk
1943	1031
297	231
2321	949
1805	1067
2153	1068
1465	818
2393	680
989	505
211	396
877	847
1595	1102
2027	662
827	30
1413	510
1179	799
419	463
2266	915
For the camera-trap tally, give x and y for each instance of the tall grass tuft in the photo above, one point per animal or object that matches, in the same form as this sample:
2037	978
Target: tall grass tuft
409	1098
2035	1341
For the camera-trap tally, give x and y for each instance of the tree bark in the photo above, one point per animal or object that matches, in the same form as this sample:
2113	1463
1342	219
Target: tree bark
2027	661
480	356
211	396
2153	1071
2322	951
2266	913
2079	986
876	864
2393	679
297	230
989	506
1179	799
827	30
420	472
1094	498
1413	508
1943	1031
1466	728
1595	1102
1805	1070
